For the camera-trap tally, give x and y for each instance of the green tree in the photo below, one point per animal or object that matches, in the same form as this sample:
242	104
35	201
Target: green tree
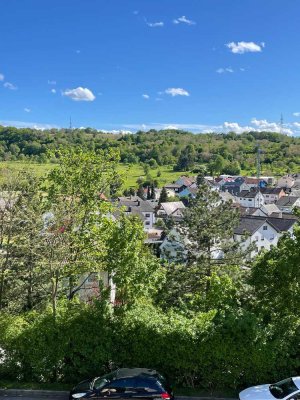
80	225
163	198
134	270
205	249
275	278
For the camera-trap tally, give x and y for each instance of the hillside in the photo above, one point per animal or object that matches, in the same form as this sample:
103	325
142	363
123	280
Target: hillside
219	153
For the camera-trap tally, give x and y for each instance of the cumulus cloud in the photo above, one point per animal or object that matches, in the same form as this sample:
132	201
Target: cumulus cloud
79	94
245	47
235	127
27	110
1	77
177	92
146	96
296	114
224	70
53	91
155	24
183	20
10	86
254	126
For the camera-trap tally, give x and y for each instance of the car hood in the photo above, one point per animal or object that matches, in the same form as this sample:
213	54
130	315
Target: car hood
260	392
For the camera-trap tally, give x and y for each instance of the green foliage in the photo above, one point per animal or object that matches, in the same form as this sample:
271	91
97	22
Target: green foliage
276	276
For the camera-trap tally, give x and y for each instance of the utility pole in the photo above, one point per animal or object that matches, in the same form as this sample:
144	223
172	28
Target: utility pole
281	123
70	126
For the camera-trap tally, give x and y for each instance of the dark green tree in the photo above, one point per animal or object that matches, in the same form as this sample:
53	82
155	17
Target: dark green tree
163	198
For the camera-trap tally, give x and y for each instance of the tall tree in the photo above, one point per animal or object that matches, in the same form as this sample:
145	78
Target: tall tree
79	222
205	248
163	198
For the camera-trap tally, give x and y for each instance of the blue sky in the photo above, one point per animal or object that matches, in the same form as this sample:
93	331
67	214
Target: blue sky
200	65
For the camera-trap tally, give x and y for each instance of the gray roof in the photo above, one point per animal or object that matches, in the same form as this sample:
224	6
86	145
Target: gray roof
281	224
250	224
248	194
172	206
135	203
271	190
172	186
286	201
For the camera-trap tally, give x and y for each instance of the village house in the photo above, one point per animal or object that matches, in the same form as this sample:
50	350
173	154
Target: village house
172	209
261	232
288	203
134	205
235	186
250	198
286	182
271	194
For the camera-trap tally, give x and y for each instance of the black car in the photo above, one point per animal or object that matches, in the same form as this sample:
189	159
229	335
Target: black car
125	383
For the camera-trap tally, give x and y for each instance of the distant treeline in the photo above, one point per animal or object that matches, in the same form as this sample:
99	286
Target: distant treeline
220	153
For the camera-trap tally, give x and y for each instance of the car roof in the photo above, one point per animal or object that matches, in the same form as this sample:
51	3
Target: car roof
296	380
132	372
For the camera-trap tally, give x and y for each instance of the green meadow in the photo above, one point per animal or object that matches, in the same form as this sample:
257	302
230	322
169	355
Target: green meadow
130	173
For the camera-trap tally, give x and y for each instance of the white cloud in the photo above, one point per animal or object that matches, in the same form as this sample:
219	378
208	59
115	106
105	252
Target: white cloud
296	114
243	69
10	86
33	125
254	126
51	82
177	92
53	91
79	94
235	127
184	20
146	96
224	70
264	125
27	110
155	24
245	47
1	77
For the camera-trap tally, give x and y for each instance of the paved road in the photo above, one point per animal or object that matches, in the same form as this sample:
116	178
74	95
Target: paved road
31	398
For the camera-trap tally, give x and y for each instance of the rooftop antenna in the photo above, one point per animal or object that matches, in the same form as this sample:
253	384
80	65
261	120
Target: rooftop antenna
281	123
70	126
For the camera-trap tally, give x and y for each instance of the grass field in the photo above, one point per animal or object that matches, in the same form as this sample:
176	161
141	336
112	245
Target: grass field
130	173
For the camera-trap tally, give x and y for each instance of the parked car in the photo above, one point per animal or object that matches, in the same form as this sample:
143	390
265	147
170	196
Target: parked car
288	389
125	383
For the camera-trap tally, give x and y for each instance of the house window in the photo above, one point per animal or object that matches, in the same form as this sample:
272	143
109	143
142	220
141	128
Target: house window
147	223
249	199
147	215
265	227
262	239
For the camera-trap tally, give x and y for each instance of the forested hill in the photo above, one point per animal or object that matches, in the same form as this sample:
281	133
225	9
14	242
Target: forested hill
227	153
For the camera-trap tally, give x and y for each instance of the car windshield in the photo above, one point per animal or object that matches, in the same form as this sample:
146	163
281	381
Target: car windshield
101	381
283	388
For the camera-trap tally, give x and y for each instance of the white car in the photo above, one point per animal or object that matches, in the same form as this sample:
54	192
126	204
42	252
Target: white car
288	389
